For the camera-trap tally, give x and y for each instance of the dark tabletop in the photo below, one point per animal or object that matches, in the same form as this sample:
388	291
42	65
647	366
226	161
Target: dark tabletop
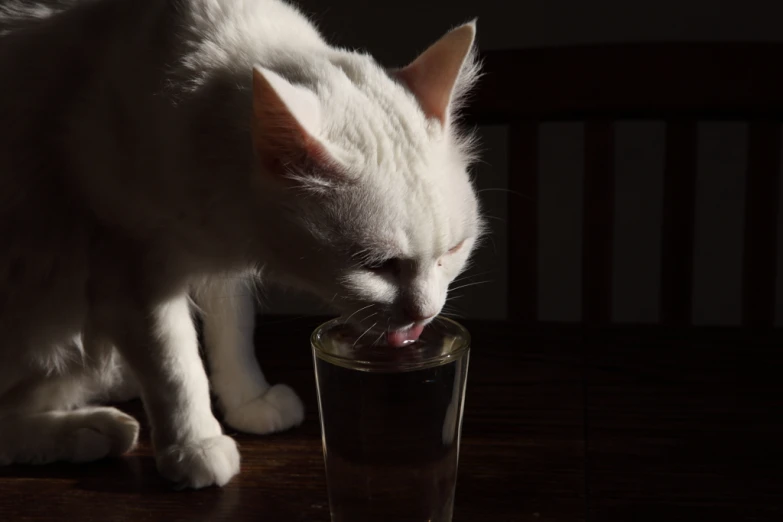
561	424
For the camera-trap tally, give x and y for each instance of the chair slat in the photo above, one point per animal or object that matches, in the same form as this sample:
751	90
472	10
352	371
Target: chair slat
598	222
523	221
678	223
761	219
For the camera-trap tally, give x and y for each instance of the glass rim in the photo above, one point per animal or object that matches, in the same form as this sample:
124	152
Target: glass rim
460	348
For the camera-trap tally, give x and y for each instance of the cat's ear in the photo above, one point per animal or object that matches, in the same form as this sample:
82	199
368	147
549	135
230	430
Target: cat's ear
442	72
286	121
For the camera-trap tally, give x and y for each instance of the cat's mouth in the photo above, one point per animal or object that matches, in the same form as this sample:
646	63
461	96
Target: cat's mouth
396	336
402	337
377	323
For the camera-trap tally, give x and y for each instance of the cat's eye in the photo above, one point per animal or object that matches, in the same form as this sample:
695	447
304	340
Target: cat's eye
384	265
456	247
452	250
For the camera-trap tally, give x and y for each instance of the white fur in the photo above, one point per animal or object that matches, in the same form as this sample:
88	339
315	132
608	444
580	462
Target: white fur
248	402
76	436
129	184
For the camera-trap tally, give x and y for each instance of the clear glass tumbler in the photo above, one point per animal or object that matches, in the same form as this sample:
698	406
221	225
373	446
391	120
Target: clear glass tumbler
391	420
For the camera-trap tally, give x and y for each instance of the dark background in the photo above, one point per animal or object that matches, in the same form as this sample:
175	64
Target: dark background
396	31
562	423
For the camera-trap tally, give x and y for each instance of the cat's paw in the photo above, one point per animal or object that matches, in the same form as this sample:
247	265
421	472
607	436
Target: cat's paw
100	433
276	410
81	435
207	462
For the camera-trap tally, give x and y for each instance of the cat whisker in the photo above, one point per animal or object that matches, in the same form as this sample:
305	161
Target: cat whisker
359	254
487	216
365	332
356	312
368	317
471	276
470	284
450	312
378	338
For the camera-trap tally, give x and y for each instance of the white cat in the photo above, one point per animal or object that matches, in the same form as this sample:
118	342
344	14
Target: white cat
153	152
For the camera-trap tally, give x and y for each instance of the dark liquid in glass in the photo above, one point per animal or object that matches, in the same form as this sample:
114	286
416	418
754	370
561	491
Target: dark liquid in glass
391	441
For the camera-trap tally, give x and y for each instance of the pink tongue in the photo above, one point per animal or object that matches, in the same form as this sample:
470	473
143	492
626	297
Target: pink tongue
399	338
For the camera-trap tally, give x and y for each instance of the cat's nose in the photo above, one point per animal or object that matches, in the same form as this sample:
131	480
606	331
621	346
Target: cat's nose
418	316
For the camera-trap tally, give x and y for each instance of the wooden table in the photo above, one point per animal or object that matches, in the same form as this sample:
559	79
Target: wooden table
562	424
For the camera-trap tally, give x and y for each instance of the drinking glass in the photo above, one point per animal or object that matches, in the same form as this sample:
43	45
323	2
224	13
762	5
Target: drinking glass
391	421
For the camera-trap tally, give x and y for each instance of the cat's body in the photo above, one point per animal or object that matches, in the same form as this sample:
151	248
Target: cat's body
69	112
144	163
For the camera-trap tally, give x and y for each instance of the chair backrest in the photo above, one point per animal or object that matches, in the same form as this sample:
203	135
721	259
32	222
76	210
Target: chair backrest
680	84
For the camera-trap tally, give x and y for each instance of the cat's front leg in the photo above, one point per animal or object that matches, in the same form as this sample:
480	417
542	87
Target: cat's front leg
247	400
161	347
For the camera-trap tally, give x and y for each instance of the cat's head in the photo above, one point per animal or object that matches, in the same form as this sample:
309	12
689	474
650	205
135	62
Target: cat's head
377	211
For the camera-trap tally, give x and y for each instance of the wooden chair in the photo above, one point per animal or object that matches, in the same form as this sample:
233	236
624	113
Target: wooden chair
681	84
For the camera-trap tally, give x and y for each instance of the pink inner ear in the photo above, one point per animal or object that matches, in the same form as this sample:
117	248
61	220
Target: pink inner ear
433	75
279	138
433	98
276	132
